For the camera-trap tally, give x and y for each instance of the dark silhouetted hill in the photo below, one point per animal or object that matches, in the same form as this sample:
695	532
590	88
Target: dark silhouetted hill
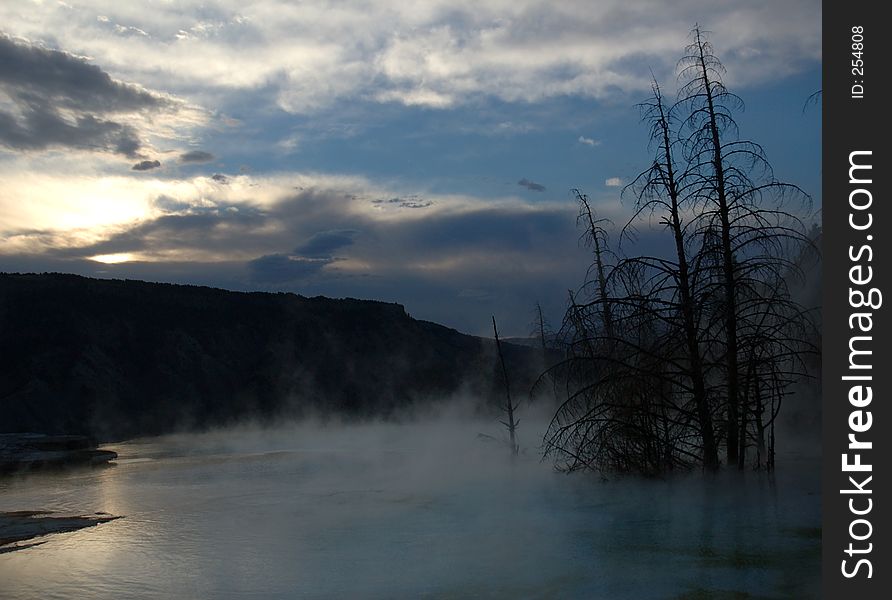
116	359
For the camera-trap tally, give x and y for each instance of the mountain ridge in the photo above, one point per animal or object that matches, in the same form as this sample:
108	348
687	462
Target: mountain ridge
116	358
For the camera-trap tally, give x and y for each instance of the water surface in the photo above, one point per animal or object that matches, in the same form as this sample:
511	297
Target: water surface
407	511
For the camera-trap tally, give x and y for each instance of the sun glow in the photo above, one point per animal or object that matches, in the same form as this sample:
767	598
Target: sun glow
113	259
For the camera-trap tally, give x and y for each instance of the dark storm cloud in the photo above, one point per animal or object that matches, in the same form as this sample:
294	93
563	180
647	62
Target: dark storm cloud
307	260
146	165
196	156
283	268
324	243
212	228
40	127
531	185
220	178
30	72
62	100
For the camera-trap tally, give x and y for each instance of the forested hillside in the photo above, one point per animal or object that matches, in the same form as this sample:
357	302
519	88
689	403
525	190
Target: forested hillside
117	359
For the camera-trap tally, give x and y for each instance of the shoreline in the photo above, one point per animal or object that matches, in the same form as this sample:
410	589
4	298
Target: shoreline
24	452
24	525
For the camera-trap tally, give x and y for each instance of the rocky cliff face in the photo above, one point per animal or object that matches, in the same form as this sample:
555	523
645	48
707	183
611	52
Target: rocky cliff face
116	359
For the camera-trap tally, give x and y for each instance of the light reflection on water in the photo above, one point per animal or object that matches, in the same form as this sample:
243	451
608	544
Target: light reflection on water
387	511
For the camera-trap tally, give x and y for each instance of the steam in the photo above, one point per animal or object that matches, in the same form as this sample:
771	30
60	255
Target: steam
415	507
434	448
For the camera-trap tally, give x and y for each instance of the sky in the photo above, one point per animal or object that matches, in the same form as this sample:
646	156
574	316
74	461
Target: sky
414	152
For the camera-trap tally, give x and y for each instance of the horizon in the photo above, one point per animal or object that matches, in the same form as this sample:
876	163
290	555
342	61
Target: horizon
296	294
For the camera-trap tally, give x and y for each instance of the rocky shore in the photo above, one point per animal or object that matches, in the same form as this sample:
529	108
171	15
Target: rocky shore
20	526
22	452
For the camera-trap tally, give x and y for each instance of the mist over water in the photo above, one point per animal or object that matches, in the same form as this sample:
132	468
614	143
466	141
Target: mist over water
419	509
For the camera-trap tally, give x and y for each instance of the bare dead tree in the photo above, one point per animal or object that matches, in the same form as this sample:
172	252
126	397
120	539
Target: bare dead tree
619	412
509	407
747	232
659	346
660	189
710	115
542	331
595	235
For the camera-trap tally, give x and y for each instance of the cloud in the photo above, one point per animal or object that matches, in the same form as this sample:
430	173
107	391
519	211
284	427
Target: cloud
531	185
196	156
518	67
29	72
194	234
309	233
284	268
339	216
168	204
439	54
146	165
613	182
40	127
336	217
55	99
411	201
324	243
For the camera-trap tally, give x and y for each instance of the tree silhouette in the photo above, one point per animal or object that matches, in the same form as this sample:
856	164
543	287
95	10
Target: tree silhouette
509	406
662	346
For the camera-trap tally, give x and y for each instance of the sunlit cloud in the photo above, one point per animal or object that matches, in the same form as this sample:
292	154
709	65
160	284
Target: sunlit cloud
289	231
437	54
302	217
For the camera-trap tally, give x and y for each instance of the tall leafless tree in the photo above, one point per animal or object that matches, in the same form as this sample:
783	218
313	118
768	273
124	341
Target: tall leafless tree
508	407
662	345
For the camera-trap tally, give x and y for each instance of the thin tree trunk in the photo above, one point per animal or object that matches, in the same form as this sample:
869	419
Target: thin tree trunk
579	324
771	440
760	425
540	325
710	452
599	266
728	270
509	405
